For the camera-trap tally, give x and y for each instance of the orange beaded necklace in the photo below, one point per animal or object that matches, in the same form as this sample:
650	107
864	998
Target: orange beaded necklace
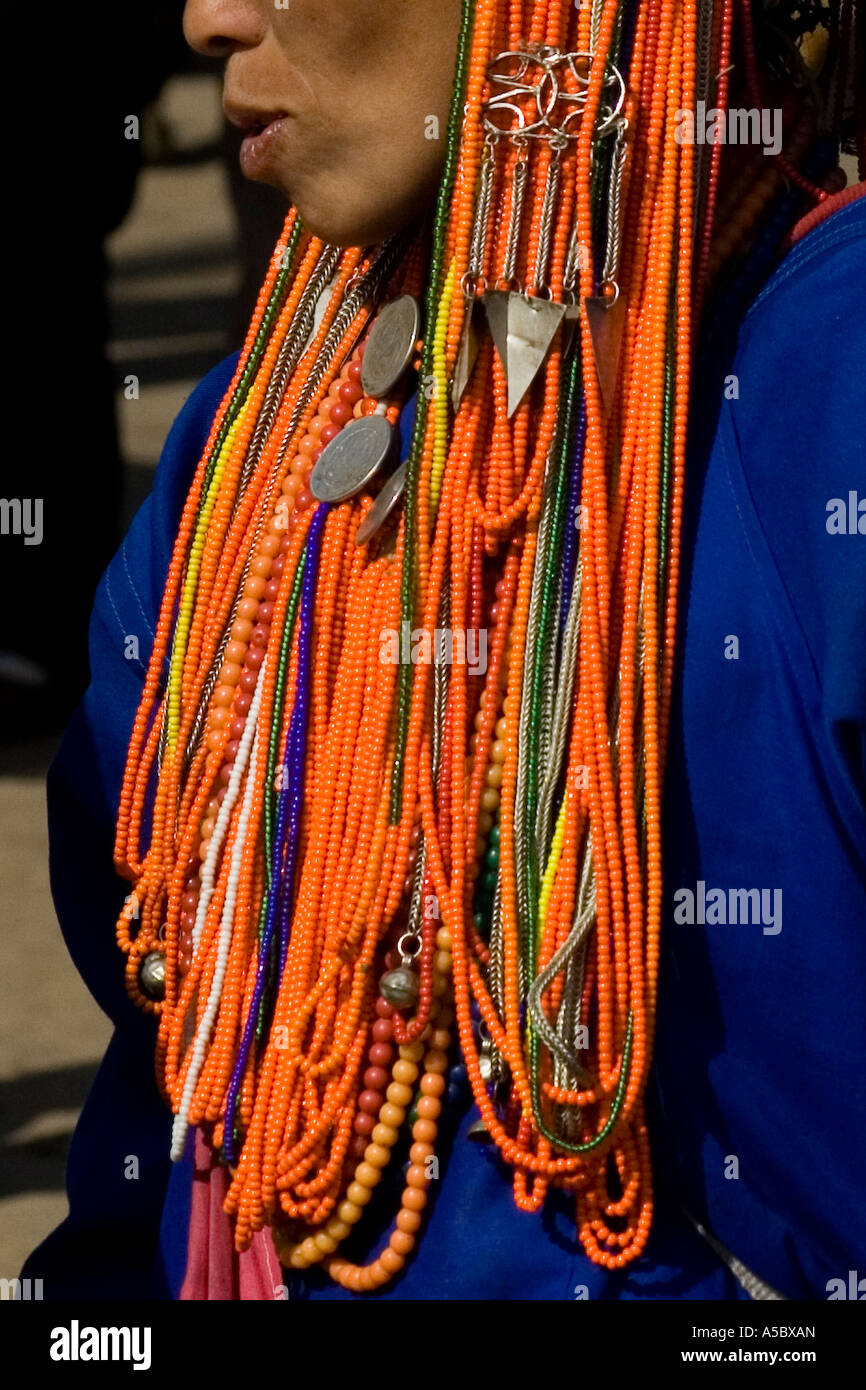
356	862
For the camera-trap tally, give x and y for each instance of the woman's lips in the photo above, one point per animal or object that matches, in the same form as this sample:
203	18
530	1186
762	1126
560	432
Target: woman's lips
260	150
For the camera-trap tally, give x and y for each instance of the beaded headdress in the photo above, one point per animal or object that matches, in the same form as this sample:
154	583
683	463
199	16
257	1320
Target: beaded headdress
392	806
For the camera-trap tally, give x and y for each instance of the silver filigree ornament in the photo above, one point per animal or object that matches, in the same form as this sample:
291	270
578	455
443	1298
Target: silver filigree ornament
535	93
540	93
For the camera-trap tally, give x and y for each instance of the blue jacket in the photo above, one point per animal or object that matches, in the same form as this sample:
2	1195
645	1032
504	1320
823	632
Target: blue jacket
758	1099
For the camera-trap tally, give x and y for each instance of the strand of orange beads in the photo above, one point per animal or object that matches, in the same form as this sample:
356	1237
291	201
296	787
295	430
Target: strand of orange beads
265	570
280	446
632	1239
405	1072
378	698
130	808
227	523
255	581
148	897
254	586
266	1087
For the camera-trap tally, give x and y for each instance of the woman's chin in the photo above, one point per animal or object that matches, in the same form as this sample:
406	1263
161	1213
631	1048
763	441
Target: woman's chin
364	227
345	216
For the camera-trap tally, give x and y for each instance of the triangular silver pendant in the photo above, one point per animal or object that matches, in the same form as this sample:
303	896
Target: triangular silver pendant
523	329
606	323
496	309
467	355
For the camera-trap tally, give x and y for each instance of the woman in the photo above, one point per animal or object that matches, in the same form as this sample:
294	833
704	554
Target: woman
387	776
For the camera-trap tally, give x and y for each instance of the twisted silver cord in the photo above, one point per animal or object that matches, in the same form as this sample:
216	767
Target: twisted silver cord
561	1050
515	213
548	209
524	858
295	343
614	210
478	243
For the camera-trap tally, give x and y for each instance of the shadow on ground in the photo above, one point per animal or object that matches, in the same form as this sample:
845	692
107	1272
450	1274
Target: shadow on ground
36	1161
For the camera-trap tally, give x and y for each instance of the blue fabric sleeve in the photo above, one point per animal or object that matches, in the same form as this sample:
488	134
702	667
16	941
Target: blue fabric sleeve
762	1024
